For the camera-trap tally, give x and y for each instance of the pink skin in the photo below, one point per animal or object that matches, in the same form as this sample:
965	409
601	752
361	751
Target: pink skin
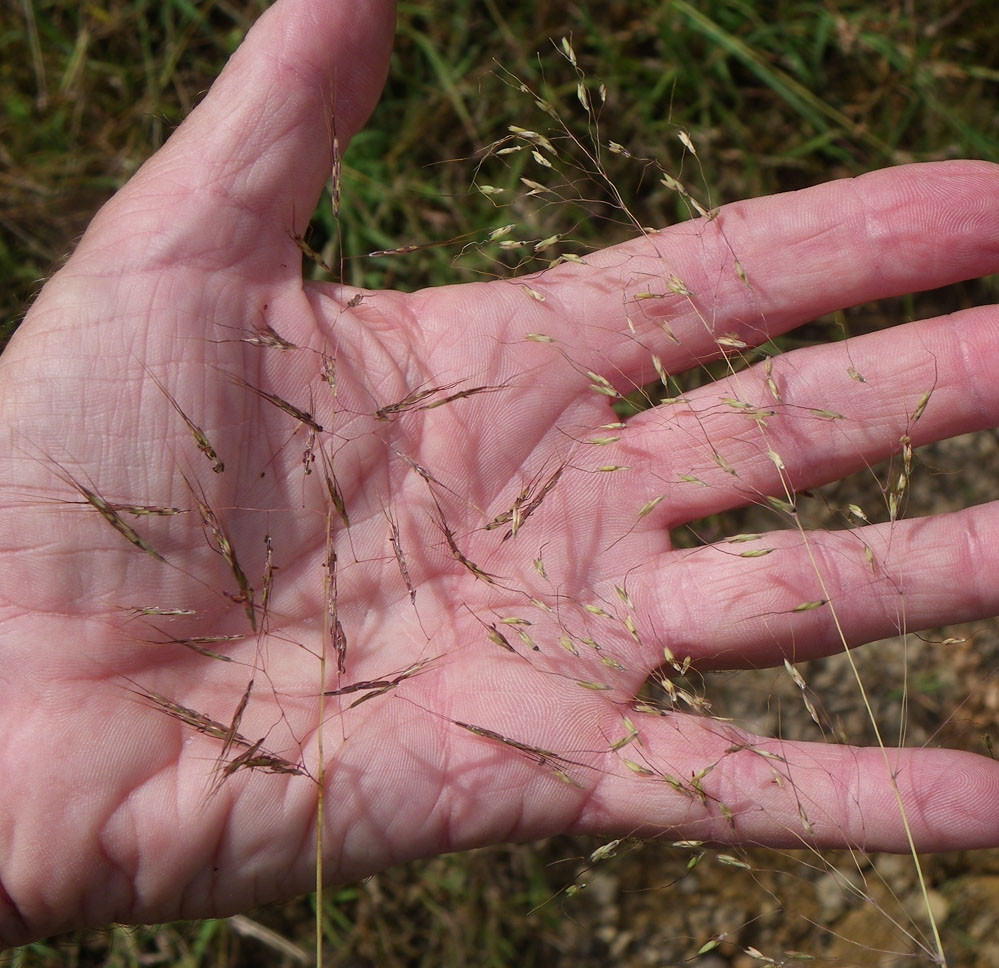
110	810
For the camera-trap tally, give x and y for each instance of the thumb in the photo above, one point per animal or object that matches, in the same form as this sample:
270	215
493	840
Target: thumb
259	147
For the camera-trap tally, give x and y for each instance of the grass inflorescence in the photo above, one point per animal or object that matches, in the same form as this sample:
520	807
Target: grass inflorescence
734	104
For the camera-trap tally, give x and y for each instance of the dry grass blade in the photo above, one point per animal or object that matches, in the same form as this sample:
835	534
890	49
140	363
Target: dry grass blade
498	638
336	169
363	686
309	454
125	530
514	513
417	400
328	367
248	928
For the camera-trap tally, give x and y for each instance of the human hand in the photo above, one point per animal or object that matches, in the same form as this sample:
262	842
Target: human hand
133	786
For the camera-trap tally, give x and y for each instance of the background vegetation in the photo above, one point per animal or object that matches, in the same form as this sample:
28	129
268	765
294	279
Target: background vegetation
775	96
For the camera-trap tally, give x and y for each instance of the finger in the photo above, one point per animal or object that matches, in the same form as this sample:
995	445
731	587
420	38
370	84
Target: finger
258	148
820	414
799	255
814	593
754	436
782	794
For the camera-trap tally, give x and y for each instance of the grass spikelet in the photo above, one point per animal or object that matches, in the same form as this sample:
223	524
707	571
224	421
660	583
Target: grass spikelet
809	606
420	399
921	406
637	768
456	552
601	384
525	504
253	757
267	582
147	510
539	755
396	542
233	731
199	643
630	736
729	341
649	506
312	255
161	610
498	638
256	759
333	489
302	416
108	513
219	542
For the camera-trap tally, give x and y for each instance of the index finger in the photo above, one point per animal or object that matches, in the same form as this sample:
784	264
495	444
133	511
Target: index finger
761	267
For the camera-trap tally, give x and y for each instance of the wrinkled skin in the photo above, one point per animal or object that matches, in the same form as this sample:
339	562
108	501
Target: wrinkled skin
113	810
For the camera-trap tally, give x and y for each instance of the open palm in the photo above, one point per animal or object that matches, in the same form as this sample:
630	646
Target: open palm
235	506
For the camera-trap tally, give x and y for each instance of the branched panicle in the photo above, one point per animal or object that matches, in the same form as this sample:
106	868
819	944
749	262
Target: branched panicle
595	643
